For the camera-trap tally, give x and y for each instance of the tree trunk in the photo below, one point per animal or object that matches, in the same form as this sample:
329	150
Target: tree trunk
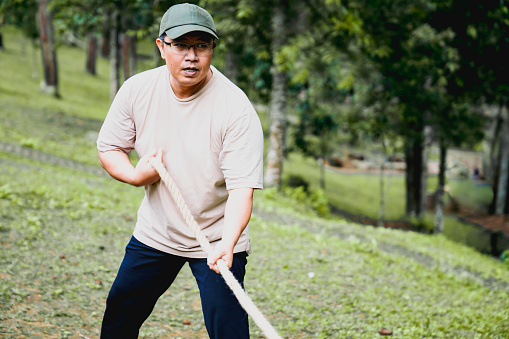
105	37
428	142
439	207
489	144
133	56
381	212
278	102
128	55
495	172
231	70
49	83
114	55
414	186
322	172
501	198
125	48
105	46
1	42
91	55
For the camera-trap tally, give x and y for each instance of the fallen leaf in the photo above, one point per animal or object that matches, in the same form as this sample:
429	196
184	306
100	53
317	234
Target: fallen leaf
384	331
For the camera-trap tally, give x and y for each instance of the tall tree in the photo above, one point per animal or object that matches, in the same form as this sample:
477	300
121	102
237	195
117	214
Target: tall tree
112	19
481	31
90	62
114	53
49	83
278	98
415	62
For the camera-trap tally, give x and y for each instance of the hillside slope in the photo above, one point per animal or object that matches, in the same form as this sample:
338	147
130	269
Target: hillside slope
64	226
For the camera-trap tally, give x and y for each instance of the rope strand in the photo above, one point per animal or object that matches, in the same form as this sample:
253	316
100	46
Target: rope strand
228	276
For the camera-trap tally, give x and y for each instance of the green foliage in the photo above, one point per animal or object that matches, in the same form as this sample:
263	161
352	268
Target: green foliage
297	181
504	257
92	16
315	201
20	13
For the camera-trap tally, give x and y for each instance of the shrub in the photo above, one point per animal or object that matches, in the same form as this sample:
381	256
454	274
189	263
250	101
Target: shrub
317	199
505	257
297	181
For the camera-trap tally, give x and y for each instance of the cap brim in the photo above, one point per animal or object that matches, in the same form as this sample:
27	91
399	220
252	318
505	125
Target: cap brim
175	32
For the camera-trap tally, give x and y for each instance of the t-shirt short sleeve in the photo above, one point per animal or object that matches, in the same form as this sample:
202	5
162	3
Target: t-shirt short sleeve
241	157
118	131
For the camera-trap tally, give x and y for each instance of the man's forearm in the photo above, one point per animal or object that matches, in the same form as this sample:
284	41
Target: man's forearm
237	214
119	166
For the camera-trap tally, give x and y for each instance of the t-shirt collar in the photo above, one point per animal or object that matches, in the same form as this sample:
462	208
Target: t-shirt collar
197	94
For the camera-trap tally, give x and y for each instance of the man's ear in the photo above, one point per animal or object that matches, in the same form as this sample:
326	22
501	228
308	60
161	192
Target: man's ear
160	45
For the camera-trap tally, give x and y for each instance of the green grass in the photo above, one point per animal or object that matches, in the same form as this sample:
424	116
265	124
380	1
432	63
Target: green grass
62	241
18	88
63	233
471	196
360	194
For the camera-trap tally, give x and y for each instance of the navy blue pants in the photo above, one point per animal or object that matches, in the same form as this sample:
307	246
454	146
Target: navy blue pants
146	273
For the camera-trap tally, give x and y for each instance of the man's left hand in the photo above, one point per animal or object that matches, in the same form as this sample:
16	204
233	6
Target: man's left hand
220	252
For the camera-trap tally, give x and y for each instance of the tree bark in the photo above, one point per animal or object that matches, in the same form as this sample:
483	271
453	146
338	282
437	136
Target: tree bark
381	211
91	55
503	182
439	195
414	185
49	83
322	172
133	58
128	56
489	144
105	37
114	55
105	45
278	102
428	142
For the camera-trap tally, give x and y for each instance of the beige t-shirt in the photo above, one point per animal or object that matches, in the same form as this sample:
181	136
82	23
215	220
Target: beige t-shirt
211	142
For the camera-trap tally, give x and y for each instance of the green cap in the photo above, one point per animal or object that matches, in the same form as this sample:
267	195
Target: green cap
184	18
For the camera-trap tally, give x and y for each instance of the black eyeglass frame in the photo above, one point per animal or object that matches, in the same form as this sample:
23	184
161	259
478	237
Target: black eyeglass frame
183	43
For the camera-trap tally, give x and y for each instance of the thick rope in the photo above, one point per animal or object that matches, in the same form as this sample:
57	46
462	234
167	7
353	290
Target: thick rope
228	276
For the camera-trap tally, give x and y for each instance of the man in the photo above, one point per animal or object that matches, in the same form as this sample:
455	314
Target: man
209	137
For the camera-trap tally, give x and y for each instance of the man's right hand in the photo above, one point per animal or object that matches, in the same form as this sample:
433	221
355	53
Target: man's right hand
119	166
144	173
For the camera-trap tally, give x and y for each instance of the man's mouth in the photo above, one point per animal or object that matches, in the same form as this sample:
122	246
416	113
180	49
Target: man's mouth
190	70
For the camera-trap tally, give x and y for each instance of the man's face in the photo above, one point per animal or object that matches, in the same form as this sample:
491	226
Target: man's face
188	72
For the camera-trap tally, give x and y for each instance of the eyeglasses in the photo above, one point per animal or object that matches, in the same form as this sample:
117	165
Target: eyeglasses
200	49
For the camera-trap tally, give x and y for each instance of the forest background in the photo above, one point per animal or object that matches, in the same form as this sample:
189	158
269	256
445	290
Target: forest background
382	89
336	81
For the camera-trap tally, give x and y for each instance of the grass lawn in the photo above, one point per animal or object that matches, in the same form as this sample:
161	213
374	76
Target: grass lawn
360	194
63	233
62	241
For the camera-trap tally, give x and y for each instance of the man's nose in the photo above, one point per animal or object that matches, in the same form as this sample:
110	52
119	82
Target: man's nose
191	53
